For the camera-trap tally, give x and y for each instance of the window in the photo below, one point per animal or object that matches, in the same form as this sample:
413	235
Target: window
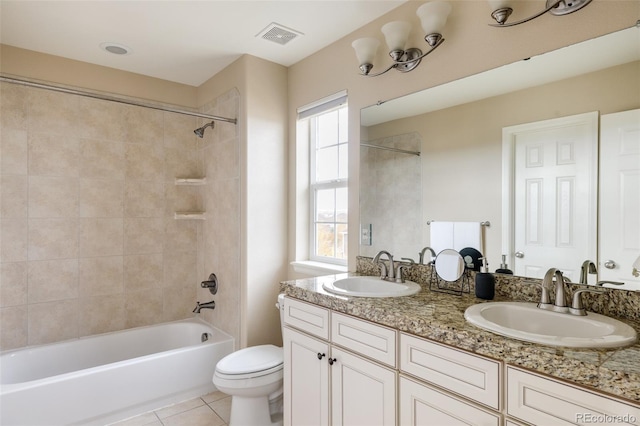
328	167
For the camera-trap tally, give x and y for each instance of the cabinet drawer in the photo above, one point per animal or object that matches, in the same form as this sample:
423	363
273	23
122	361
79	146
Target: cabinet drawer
538	400
463	373
423	405
371	340
306	317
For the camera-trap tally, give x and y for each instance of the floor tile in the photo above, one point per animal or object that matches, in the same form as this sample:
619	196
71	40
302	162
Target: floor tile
222	407
180	407
200	416
146	419
214	396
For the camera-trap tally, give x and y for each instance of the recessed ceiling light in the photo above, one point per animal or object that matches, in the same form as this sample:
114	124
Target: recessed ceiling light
115	48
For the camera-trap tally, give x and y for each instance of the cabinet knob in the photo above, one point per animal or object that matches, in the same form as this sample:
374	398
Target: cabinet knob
610	264
320	356
332	360
519	254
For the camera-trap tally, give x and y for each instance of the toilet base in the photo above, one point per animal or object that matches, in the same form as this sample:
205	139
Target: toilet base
252	411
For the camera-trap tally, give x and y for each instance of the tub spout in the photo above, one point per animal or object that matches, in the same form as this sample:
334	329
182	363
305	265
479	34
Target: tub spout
207	305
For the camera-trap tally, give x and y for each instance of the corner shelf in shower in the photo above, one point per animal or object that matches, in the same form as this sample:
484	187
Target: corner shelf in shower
191	181
189	216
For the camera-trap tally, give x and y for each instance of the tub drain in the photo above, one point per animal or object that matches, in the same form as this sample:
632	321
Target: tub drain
204	337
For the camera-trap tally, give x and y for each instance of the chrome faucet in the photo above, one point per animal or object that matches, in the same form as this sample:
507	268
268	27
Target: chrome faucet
421	259
207	305
588	267
560	302
386	272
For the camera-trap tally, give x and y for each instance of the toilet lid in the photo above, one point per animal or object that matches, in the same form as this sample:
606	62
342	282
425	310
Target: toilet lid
251	360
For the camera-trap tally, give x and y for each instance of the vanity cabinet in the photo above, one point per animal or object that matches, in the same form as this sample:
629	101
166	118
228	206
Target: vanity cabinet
334	383
540	401
447	385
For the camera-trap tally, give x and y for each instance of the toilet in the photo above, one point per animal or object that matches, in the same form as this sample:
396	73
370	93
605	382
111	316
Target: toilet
253	378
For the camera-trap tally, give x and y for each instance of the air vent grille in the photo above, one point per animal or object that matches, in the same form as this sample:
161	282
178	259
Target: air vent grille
278	34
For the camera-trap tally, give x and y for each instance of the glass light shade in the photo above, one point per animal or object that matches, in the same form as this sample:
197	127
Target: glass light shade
499	4
433	16
366	48
396	34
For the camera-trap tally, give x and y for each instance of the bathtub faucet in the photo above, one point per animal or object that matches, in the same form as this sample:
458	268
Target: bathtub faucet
207	305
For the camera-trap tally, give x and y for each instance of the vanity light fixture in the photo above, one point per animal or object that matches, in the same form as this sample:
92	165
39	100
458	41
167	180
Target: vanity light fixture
501	10
433	17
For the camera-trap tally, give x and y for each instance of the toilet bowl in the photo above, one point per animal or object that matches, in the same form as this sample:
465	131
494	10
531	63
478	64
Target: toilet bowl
253	378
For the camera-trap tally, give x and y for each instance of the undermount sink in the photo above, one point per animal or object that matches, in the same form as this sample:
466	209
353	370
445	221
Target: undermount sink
525	321
371	287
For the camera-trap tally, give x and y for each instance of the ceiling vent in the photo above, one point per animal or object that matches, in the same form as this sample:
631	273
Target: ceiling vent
278	33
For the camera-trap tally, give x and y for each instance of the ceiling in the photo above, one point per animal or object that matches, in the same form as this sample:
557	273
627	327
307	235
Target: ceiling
181	41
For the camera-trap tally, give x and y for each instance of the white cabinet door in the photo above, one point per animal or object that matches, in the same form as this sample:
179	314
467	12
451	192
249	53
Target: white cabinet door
619	226
424	405
306	380
363	393
550	180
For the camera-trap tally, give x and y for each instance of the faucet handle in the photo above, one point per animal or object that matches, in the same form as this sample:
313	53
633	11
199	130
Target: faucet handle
577	308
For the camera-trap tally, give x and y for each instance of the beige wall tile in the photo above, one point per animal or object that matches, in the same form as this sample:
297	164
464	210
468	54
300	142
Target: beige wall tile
100	237
143	272
143	308
144	162
143	125
13	333
101	276
144	198
55	238
101	159
143	235
51	280
53	196
52	112
180	235
101	197
98	119
13	240
53	321
101	314
13	196
180	269
182	199
221	160
13	284
178	131
13	106
179	302
13	151
181	162
53	155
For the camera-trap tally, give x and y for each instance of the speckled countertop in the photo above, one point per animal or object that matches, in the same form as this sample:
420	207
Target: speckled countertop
440	317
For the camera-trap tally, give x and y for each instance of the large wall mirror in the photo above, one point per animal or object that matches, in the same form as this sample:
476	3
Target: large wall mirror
437	155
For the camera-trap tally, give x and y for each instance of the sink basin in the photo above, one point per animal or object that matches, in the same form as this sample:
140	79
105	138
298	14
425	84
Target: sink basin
371	287
525	321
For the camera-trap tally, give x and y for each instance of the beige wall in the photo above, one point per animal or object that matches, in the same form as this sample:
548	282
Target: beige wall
462	164
471	46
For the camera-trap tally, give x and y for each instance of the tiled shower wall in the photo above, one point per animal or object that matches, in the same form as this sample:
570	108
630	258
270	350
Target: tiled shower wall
390	195
88	240
219	243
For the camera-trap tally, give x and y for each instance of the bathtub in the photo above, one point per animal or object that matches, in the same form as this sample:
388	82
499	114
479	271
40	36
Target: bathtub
109	377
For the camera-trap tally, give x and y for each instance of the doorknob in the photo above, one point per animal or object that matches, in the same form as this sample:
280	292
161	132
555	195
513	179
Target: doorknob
610	264
519	254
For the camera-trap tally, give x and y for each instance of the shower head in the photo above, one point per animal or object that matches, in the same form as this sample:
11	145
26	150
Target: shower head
200	131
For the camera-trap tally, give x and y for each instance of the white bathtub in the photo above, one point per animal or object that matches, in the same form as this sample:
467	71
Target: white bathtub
108	377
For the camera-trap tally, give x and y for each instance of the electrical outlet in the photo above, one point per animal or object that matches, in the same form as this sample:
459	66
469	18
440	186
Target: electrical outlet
365	234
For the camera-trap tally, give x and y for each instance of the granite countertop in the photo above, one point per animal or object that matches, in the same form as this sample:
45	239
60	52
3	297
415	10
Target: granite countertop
440	317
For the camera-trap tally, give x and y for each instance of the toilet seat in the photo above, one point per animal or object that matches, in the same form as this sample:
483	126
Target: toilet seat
255	361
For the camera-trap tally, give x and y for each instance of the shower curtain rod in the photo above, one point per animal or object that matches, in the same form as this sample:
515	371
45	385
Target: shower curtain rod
113	99
402	151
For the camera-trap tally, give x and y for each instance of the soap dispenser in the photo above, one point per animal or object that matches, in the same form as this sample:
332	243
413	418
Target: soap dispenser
504	269
485	283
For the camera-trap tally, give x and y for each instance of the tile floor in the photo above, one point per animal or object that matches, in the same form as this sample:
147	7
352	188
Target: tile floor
209	410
